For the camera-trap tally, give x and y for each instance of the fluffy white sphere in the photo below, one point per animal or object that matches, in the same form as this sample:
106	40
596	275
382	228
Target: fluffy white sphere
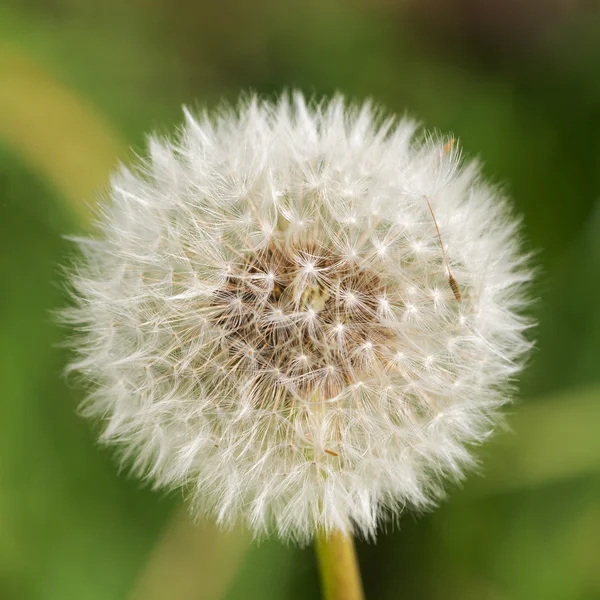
270	318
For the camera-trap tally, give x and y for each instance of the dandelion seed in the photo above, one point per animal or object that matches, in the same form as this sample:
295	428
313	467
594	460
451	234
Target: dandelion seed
256	319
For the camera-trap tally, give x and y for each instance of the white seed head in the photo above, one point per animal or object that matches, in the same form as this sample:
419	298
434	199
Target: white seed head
270	319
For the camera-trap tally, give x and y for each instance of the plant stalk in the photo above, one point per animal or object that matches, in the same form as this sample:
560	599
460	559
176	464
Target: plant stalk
338	566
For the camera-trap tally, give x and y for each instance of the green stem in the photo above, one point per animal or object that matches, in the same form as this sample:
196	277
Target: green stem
340	576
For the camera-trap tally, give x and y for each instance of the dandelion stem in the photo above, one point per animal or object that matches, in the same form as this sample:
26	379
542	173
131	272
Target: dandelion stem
338	566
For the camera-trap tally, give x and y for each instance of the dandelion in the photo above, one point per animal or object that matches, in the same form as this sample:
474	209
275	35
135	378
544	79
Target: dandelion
303	314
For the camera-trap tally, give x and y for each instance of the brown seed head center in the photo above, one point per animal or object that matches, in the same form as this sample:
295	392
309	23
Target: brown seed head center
303	317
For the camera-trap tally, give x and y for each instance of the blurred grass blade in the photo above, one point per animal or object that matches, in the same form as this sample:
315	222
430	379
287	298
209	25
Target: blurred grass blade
55	131
551	439
191	562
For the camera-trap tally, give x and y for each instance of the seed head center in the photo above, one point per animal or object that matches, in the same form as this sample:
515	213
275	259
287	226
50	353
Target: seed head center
317	328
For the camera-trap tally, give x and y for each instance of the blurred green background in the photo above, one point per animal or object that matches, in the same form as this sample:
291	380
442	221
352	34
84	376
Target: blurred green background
516	81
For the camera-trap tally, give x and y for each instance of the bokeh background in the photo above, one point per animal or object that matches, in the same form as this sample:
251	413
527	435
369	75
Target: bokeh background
516	81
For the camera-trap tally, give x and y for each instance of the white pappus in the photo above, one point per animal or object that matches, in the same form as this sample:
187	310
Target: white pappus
302	313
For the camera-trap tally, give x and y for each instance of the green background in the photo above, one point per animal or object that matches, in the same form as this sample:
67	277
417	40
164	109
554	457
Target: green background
518	84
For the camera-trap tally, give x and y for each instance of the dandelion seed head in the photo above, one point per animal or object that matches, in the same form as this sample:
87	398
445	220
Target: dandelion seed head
266	317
